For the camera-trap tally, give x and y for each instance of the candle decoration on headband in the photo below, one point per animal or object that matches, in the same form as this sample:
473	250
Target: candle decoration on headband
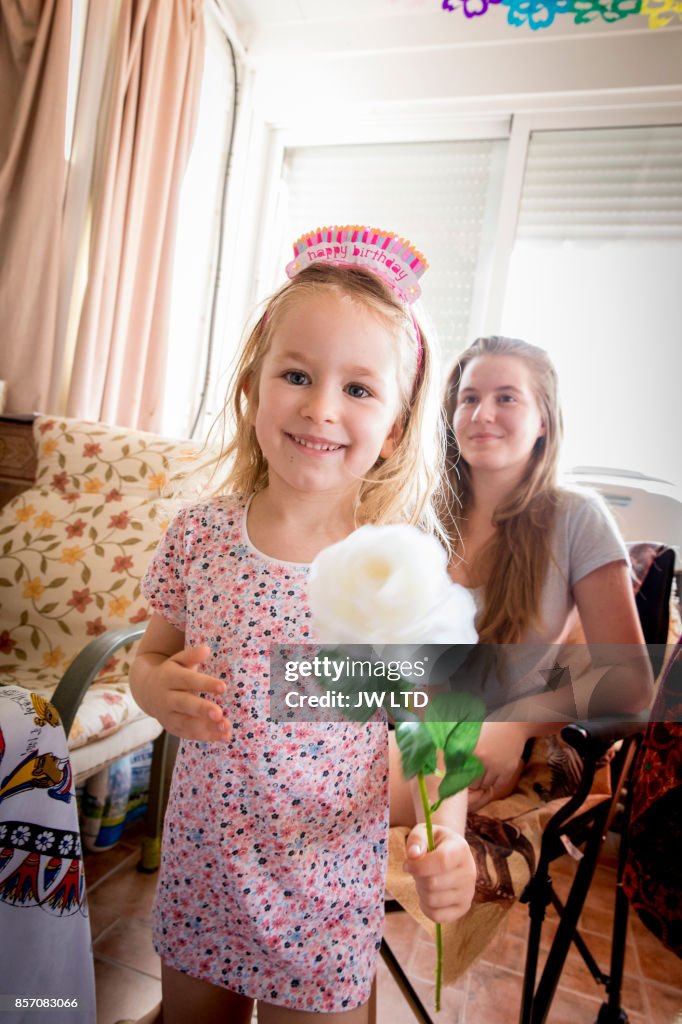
391	258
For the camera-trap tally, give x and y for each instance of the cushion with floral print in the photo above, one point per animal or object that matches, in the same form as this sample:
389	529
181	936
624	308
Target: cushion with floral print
72	551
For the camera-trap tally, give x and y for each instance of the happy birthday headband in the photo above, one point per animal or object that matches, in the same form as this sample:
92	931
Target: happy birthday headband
391	258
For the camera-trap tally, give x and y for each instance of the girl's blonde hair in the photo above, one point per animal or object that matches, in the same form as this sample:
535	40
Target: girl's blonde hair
406	486
513	563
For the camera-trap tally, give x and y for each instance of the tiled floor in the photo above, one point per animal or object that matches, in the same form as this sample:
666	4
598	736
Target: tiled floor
127	969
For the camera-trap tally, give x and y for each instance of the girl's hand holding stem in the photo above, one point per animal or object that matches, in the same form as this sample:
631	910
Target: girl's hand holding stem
445	878
167	684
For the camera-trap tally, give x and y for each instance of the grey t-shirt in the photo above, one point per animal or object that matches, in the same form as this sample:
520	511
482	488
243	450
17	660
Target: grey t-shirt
585	537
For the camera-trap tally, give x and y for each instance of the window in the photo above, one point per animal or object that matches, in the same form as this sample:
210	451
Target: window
442	196
594	278
196	253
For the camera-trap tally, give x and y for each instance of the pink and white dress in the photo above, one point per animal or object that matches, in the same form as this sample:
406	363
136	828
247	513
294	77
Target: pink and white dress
274	848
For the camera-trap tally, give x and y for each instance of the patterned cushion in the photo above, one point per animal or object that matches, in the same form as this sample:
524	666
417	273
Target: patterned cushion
72	551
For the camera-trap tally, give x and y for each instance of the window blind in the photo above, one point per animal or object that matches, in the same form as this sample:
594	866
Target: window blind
602	184
442	196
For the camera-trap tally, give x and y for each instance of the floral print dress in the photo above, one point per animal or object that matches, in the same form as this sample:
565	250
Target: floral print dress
274	848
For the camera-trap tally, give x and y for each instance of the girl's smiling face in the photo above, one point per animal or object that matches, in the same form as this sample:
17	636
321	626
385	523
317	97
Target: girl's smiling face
328	396
497	420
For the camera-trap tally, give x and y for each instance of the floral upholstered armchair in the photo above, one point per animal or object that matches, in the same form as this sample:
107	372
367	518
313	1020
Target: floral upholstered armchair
73	548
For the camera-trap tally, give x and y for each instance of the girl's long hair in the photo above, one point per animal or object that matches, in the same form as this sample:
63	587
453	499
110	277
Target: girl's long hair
405	487
514	562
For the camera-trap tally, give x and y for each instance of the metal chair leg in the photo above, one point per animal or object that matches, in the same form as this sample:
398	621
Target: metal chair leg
556	958
165	747
537	896
611	1012
401	979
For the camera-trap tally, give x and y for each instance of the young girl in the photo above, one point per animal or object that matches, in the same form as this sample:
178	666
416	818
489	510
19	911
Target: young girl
272	876
538	557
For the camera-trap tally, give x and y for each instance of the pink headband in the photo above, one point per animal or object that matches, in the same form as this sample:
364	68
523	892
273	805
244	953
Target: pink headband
391	258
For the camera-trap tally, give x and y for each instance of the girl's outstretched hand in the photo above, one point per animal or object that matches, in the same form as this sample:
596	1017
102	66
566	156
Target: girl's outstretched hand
445	877
170	689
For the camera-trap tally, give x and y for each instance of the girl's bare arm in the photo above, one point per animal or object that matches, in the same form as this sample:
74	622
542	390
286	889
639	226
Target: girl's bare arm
166	682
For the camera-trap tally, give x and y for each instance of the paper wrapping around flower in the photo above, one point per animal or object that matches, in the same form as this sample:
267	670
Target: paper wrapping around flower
388	585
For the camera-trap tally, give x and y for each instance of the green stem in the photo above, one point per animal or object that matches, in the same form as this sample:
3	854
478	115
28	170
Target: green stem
426	804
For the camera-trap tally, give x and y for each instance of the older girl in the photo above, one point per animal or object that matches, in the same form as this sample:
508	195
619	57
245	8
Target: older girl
541	559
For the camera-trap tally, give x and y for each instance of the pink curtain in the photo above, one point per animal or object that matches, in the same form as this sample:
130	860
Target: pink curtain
120	353
34	55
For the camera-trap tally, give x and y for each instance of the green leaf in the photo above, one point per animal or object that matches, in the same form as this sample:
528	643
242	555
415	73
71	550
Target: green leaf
18	653
43	563
35	639
455	707
23	618
7	547
461	771
99	550
417	749
445	711
86	574
63	626
464	736
439	732
47	608
59	582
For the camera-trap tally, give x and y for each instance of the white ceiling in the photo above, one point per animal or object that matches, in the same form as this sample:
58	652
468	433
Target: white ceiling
260	12
278	27
354	52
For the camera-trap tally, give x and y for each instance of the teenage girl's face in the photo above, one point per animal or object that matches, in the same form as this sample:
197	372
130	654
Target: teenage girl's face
328	395
497	419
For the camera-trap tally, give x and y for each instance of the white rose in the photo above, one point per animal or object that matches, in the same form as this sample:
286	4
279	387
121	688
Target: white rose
388	585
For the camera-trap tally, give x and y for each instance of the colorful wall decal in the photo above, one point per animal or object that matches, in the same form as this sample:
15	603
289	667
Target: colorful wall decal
538	14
